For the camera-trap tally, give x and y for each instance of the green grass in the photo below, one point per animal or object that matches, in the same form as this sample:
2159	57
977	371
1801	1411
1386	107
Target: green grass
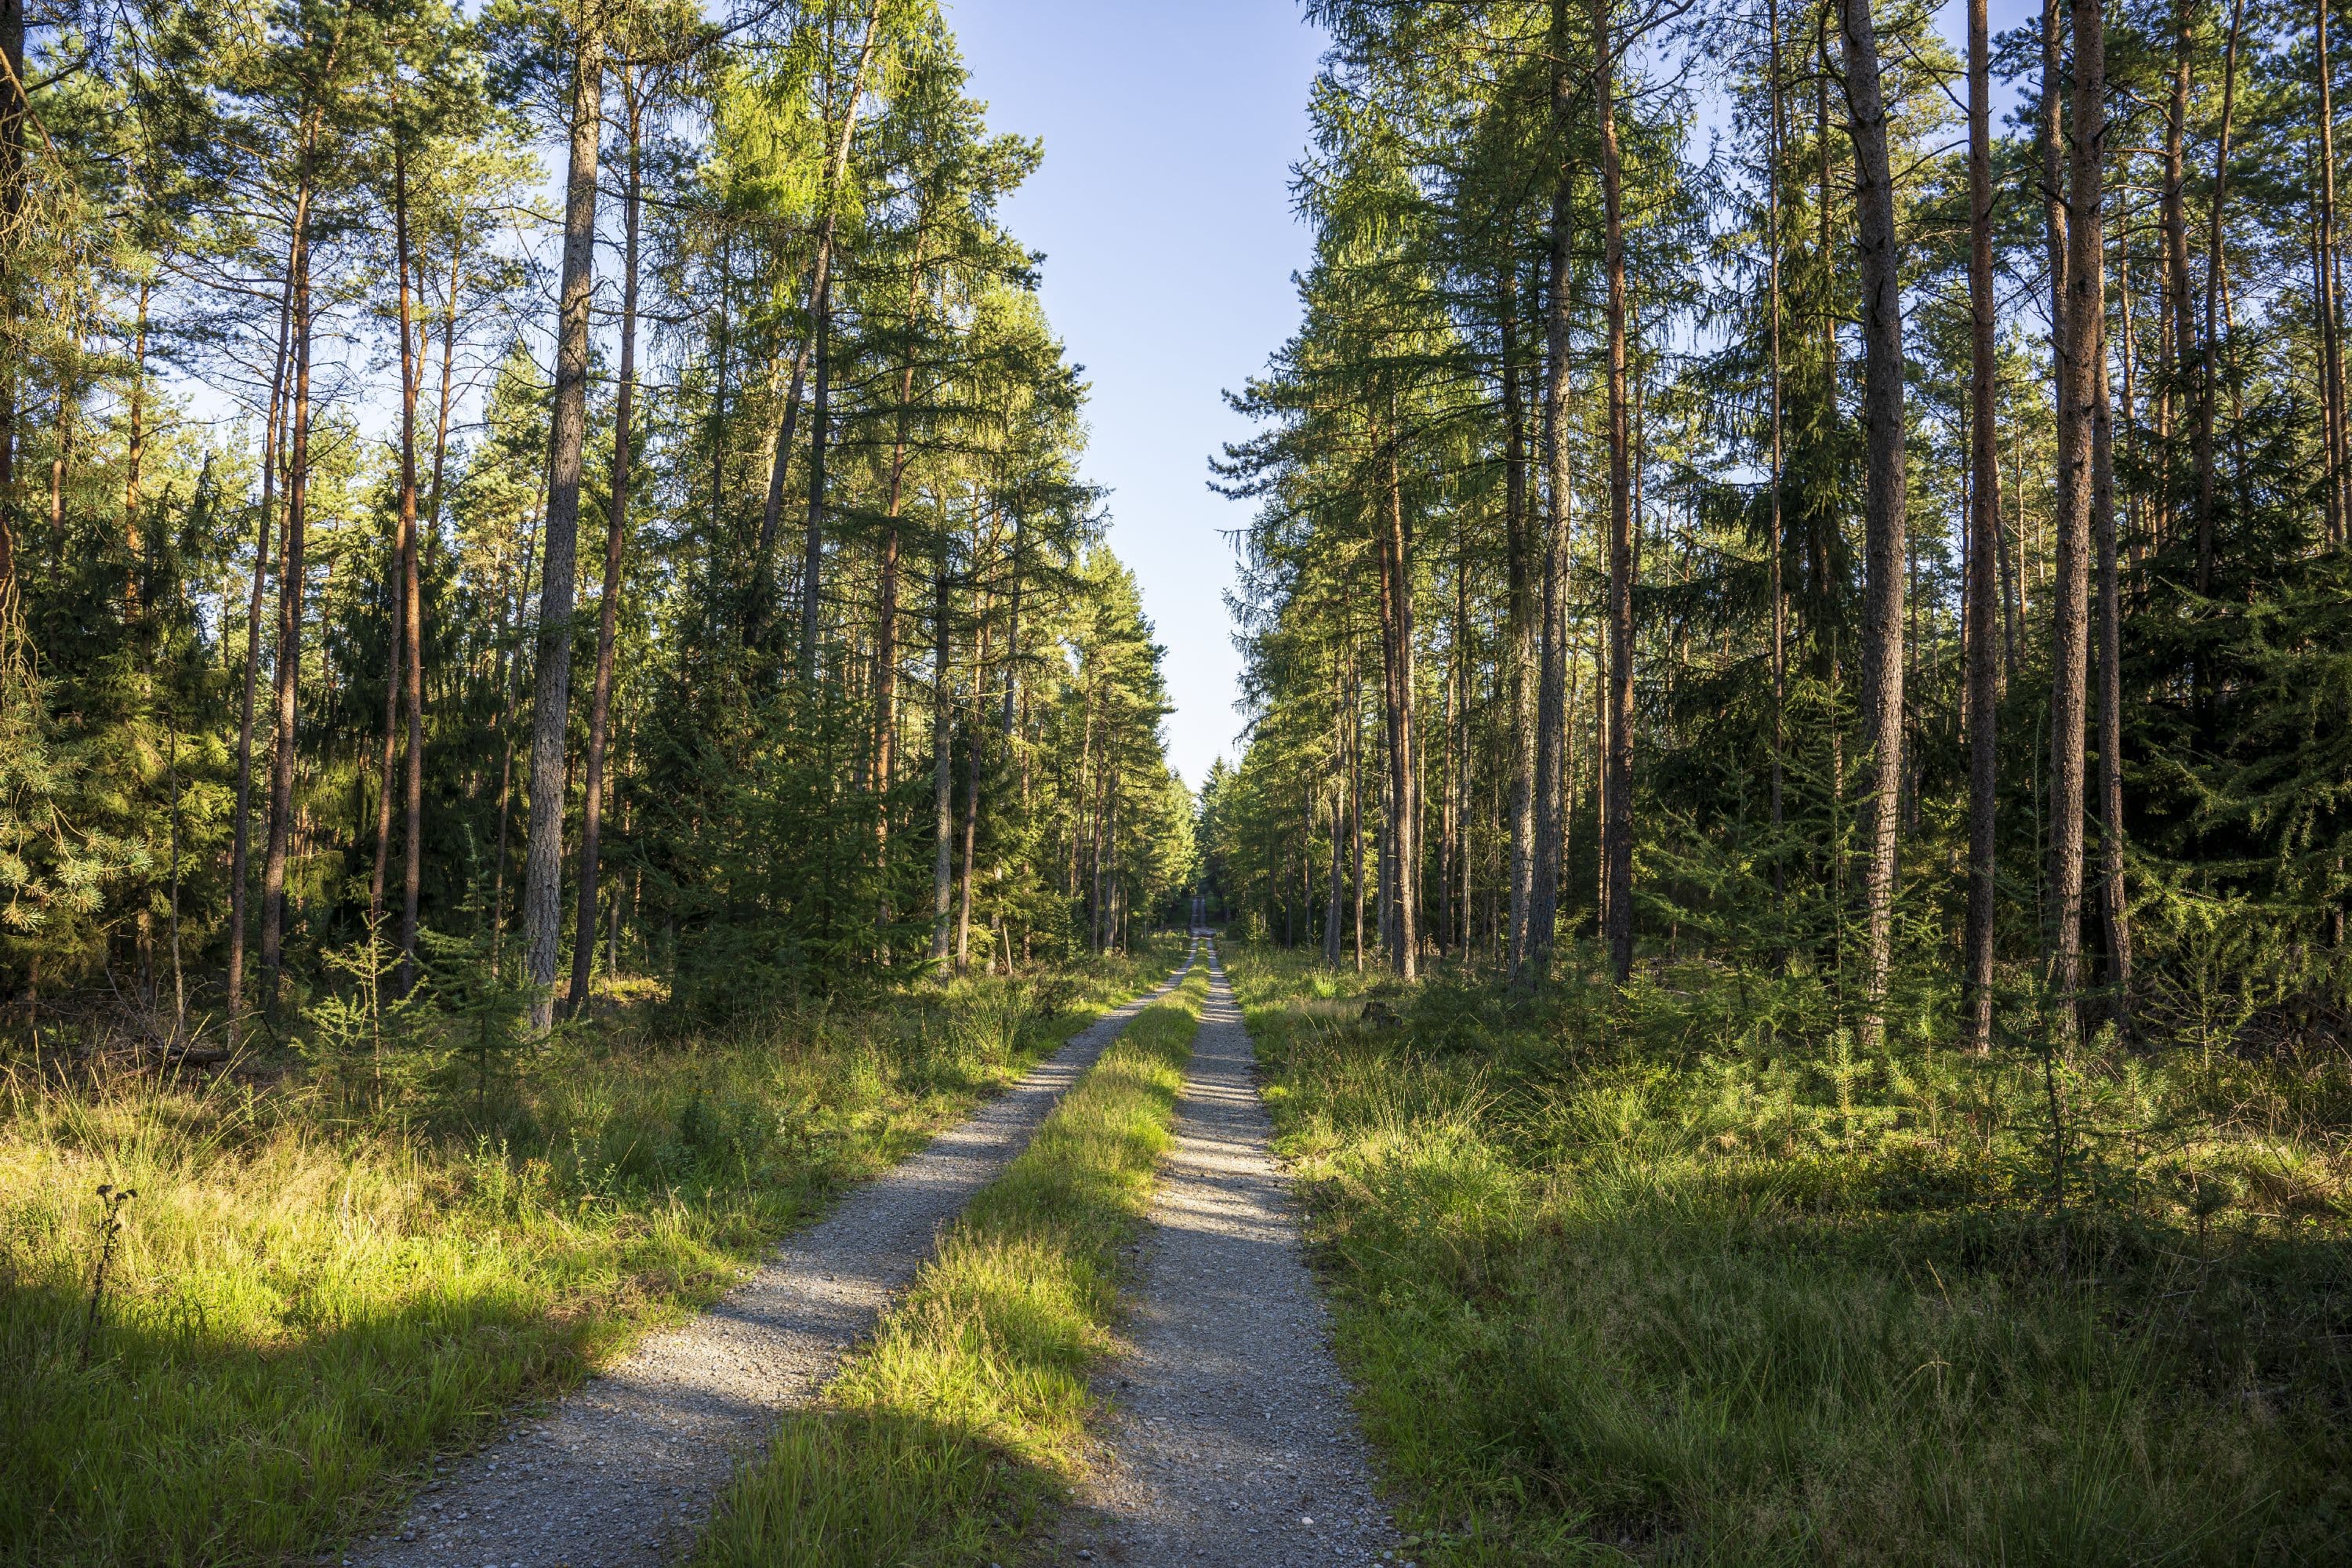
955	1433
1615	1289
316	1289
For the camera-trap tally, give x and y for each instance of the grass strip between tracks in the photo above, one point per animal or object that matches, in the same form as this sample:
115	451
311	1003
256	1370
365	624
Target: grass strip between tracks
956	1431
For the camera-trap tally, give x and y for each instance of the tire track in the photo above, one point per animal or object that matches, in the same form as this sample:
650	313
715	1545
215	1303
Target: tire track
622	1472
1232	1442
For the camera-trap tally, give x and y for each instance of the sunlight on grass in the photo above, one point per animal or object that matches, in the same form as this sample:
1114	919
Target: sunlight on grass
1606	1297
313	1291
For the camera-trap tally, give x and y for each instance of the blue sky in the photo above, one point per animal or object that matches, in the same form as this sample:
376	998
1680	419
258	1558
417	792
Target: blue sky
1164	214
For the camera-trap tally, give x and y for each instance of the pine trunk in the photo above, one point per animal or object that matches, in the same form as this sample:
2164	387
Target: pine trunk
542	911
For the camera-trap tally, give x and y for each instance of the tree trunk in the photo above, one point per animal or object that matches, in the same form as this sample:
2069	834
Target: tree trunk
542	912
289	640
617	535
411	609
1776	135
1544	726
1984	543
2114	901
2331	328
1522	677
2081	390
974	744
943	758
821	292
1617	830
1884	511
240	831
1396	659
2209	372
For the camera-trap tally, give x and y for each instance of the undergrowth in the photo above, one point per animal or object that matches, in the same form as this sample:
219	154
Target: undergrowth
330	1273
1634	1280
952	1436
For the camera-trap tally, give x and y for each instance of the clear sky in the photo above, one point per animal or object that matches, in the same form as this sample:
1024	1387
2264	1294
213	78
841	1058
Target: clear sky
1164	210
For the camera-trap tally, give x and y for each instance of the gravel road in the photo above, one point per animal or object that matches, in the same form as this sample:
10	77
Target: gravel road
624	1471
1231	1440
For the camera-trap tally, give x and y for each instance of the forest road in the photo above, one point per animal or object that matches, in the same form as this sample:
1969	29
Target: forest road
1231	1440
622	1473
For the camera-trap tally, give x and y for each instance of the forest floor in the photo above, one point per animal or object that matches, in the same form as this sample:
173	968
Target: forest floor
330	1273
1622	1280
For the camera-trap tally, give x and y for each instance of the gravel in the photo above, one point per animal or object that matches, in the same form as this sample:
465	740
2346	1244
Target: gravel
624	1470
1231	1440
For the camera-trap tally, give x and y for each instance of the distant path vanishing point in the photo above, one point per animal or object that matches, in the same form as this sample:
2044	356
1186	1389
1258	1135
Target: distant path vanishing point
1232	1443
622	1472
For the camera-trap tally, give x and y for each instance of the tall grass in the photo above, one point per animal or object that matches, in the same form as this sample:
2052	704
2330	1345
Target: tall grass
954	1433
1618	1288
317	1287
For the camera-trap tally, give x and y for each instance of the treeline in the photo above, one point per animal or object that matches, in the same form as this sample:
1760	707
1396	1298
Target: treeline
1730	498
676	565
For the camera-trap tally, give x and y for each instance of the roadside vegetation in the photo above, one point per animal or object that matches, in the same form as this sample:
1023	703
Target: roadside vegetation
955	1434
1646	1278
338	1263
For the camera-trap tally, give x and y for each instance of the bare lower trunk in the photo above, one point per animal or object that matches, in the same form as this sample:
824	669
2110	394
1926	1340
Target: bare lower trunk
2210	372
1885	518
1523	588
608	607
289	648
240	830
1396	663
2114	903
821	296
543	910
412	617
942	763
1543	719
2082	391
1984	542
1617	829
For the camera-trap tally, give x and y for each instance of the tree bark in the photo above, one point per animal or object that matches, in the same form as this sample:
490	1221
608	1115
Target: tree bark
551	712
1397	661
2209	372
289	639
1523	590
1617	830
411	605
616	537
240	831
1776	139
821	292
2331	329
1884	504
1541	721
943	758
2081	390
1984	545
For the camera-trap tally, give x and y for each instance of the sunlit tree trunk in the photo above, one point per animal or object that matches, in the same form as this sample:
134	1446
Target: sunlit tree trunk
1617	829
617	535
1984	543
943	759
2080	391
411	609
241	830
1885	500
2209	373
821	298
542	912
289	639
